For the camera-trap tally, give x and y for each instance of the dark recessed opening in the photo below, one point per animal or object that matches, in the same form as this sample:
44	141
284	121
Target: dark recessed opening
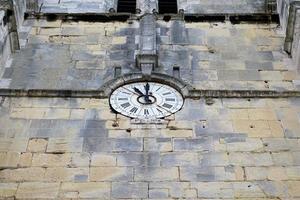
126	6
167	6
213	18
254	19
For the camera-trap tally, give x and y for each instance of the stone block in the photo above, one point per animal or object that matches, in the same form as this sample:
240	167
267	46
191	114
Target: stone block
80	160
275	188
291	128
8	190
57	113
130	190
262	114
276	144
156	174
103	160
239	114
28	113
158	193
177	124
176	189
256	173
293	173
118	134
9	159
283	158
250	144
22	175
277	173
190	193
37	145
146	159
214	159
111	174
199	144
100	144
158	144
25	160
276	128
250	159
62	174
62	145
177	133
179	159
214	190
51	160
247	190
13	144
127	144
38	190
89	190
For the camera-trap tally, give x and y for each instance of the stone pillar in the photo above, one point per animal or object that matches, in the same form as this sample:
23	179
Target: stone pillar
147	55
8	7
289	13
147	6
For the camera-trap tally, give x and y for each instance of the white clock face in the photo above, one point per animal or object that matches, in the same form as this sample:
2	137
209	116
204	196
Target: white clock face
146	100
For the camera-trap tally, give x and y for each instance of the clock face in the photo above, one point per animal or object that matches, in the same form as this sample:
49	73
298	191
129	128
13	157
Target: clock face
146	100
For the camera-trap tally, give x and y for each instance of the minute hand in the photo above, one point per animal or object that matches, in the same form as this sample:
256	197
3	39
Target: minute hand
138	91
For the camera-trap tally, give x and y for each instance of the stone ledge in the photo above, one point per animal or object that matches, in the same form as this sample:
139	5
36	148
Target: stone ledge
191	93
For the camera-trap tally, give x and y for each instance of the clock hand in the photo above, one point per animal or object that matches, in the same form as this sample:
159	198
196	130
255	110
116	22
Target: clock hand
132	92
138	91
147	88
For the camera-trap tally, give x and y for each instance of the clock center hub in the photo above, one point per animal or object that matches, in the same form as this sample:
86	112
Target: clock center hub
146	101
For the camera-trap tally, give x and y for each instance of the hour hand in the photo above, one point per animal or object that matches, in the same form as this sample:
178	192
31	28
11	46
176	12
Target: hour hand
138	91
147	88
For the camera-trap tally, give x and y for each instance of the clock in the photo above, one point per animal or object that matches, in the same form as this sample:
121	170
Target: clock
146	100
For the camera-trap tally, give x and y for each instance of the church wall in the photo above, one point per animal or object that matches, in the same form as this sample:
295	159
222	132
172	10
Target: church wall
76	148
210	55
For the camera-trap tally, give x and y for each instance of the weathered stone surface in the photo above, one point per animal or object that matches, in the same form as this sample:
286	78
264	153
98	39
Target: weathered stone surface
149	159
38	190
61	174
130	190
8	190
102	160
111	174
22	175
37	145
51	160
156	174
85	190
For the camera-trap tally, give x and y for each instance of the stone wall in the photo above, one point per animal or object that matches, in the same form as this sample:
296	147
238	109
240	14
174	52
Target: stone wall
290	22
210	55
76	148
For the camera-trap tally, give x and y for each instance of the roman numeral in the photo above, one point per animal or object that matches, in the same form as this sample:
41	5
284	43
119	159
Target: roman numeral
159	110
170	99
134	109
167	105
159	88
122	99
146	112
167	93
125	105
